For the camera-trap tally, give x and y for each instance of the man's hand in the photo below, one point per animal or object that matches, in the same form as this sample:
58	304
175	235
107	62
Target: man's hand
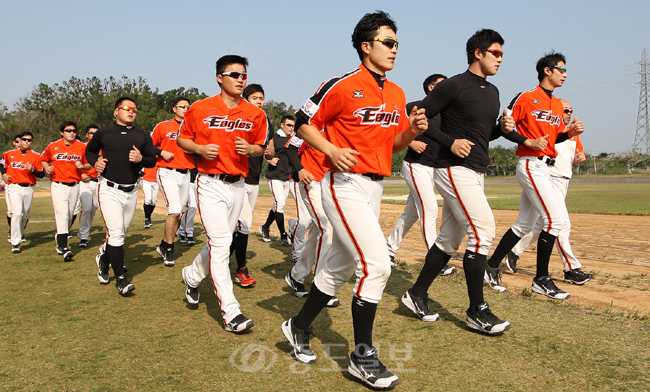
85	178
461	147
100	165
418	121
343	158
208	151
167	155
269	153
576	128
242	146
537	144
134	155
49	169
305	177
29	167
78	165
418	146
507	122
579	158
6	177
274	161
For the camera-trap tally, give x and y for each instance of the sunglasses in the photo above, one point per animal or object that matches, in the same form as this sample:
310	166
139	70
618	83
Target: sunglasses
390	43
236	75
90	133
495	52
289	125
568	111
183	106
561	69
128	108
70	130
25	139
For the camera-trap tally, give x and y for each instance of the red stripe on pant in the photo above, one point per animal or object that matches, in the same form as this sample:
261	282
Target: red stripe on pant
320	227
423	219
469	218
163	188
548	215
99	201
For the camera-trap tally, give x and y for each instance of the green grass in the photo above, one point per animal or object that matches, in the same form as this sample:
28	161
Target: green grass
60	330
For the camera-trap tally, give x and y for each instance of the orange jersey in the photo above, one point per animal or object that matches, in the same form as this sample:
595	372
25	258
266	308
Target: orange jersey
164	137
210	121
579	146
62	159
15	164
150	174
92	172
355	113
537	115
313	161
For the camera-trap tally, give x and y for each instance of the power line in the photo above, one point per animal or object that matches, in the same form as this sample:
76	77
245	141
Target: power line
642	137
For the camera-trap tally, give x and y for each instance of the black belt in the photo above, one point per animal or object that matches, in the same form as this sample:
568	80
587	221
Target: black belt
94	179
184	171
67	183
23	185
373	176
123	188
226	177
547	160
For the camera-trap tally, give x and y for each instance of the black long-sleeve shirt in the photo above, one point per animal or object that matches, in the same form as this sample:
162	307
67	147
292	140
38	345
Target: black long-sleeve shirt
469	108
116	142
429	155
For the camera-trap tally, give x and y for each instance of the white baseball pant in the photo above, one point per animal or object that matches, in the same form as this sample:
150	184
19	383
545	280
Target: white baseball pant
150	192
64	199
245	221
186	227
352	203
219	205
465	211
117	208
89	205
299	231
319	241
175	188
570	261
280	192
421	204
20	199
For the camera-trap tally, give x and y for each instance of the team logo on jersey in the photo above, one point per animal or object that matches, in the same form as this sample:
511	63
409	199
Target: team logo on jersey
536	101
63	156
309	108
222	122
171	135
295	141
56	148
378	115
546	116
18	165
357	94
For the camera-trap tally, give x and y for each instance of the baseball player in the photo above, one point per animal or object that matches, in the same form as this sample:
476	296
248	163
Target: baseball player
418	173
253	93
469	107
124	149
538	114
16	144
278	174
63	160
88	195
150	190
173	176
223	130
20	169
185	230
364	120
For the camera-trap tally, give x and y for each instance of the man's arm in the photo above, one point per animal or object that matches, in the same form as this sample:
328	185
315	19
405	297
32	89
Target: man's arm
418	124
342	158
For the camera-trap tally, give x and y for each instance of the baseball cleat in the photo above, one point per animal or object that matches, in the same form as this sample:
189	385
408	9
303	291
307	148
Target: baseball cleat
182	238
285	239
420	306
123	285
23	239
266	236
244	278
511	262
167	255
190	240
67	254
485	321
83	243
447	270
392	261
239	324
298	288
102	273
369	369
333	302
492	277
147	223
191	293
15	248
576	276
544	285
299	341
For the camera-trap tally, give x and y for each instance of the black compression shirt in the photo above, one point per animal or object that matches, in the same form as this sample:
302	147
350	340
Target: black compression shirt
281	171
469	108
116	142
428	156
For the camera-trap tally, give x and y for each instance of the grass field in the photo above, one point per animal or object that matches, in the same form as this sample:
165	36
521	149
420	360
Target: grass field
63	331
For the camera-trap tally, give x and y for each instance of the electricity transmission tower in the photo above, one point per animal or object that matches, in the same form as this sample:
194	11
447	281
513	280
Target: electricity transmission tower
642	137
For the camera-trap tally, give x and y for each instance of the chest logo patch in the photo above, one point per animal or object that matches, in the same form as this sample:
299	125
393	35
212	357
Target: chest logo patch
222	122
357	94
546	116
378	115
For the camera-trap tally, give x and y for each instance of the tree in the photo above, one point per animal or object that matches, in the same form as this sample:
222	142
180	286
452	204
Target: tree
275	110
503	161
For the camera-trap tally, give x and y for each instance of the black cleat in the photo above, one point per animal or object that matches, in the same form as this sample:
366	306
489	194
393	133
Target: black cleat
299	341
511	262
123	285
369	369
576	276
298	288
419	306
485	321
239	324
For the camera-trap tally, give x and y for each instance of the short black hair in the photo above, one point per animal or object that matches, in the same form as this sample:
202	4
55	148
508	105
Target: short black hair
17	137
286	117
367	28
482	40
226	60
91	126
430	80
26	133
549	60
177	100
119	101
67	124
252	89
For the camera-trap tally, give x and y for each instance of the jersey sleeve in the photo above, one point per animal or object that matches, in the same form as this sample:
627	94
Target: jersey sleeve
579	146
324	105
155	135
187	129
46	156
262	130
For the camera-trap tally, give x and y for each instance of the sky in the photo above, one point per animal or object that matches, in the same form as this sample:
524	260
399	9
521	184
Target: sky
293	46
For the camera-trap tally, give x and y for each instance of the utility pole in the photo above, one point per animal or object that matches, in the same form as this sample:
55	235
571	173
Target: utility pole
642	136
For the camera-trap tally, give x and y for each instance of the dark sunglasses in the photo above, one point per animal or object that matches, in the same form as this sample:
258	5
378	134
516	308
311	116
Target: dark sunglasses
25	139
568	111
236	75
495	52
561	69
70	130
390	43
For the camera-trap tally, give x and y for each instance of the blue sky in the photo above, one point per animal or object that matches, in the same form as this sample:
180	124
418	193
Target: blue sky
294	46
